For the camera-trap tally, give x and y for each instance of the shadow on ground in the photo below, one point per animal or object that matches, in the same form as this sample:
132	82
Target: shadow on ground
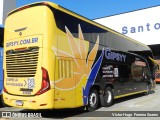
80	112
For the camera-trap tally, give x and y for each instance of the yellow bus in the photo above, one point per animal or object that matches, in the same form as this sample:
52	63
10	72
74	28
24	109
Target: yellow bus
55	59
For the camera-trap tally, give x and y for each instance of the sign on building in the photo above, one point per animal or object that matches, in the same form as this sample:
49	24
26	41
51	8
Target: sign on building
142	25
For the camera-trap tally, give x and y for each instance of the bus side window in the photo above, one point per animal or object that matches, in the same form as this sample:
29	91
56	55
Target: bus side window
136	72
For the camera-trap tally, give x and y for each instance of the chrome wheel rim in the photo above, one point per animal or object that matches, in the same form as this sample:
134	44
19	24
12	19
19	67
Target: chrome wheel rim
93	99
108	96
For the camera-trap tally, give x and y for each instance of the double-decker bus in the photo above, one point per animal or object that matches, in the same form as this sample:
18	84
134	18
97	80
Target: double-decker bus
55	59
1	58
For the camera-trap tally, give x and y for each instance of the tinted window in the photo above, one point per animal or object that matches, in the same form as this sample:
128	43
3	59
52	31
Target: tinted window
91	32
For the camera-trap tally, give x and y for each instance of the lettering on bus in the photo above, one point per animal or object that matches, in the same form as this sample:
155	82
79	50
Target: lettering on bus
114	56
107	71
13	82
22	42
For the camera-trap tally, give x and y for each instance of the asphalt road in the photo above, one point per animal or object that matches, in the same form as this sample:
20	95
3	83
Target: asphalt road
135	107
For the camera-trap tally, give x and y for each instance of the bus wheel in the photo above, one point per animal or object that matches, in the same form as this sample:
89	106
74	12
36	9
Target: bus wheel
93	100
108	97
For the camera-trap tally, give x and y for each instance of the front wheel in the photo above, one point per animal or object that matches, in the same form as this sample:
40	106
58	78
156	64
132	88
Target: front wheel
108	96
93	100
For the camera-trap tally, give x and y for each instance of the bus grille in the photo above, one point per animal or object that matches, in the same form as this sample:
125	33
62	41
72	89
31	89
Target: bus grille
22	63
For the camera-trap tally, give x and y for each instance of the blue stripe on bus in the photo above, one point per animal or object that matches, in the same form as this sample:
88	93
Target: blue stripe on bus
92	78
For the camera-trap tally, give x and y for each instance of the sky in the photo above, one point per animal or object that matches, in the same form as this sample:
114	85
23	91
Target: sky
93	9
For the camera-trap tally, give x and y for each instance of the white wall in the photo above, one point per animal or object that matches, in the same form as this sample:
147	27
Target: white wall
142	25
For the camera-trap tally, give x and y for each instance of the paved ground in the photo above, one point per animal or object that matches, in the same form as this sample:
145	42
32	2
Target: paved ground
125	108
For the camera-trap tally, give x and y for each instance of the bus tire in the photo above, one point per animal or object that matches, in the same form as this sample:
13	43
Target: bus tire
108	96
93	100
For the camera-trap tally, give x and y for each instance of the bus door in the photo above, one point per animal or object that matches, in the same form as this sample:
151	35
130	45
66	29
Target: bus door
64	83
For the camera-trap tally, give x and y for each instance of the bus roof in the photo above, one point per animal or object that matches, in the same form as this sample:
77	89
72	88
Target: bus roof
55	6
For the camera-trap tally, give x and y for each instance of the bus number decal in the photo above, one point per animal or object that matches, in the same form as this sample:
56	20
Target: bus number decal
26	92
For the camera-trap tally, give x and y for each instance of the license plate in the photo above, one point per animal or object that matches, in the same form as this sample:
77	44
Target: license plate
19	102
